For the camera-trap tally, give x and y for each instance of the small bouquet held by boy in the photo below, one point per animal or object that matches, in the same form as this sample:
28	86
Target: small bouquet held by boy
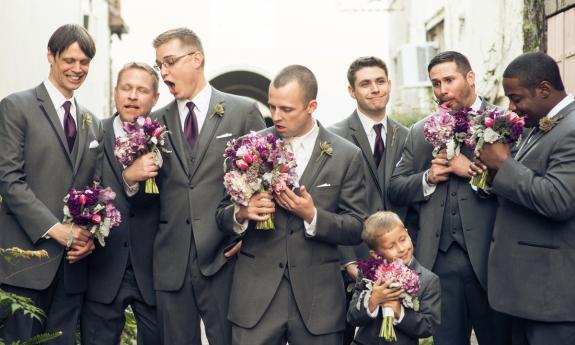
256	163
92	208
378	270
143	135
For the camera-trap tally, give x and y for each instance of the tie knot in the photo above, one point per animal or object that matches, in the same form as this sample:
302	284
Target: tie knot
191	106
67	106
378	127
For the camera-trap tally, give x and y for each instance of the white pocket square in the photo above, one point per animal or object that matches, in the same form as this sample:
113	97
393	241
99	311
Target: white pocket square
323	185
225	135
94	144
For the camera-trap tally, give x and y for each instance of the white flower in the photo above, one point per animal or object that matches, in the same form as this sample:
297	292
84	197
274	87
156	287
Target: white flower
141	120
452	149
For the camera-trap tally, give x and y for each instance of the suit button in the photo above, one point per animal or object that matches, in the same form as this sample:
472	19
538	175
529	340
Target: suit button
492	239
126	244
437	234
453	213
281	265
442	204
192	186
132	215
291	232
188	221
453	193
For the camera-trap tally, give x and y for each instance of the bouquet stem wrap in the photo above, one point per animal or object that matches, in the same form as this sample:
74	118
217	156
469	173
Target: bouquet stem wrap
387	332
480	181
267	224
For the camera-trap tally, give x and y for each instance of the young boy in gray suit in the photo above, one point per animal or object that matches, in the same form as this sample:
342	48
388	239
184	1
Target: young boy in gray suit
387	238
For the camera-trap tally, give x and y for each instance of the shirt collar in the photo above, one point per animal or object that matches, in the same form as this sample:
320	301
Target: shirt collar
119	127
57	98
560	106
201	101
306	139
477	104
368	123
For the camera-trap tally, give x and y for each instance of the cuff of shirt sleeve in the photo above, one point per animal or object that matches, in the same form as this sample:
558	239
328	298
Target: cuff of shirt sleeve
373	314
310	228
131	190
400	318
428	189
239	228
46	236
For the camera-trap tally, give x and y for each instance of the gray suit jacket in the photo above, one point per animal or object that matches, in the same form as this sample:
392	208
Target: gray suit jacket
532	258
477	212
133	240
376	178
311	262
36	172
413	326
191	189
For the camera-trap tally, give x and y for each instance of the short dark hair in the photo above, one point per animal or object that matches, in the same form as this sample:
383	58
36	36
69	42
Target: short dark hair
362	62
303	76
533	68
185	35
144	67
461	61
68	34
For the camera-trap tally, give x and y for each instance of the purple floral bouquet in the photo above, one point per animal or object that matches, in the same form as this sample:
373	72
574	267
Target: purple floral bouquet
256	163
143	135
92	208
404	277
445	130
491	126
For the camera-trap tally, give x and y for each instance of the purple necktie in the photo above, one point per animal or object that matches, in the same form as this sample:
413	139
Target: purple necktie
69	125
191	125
379	147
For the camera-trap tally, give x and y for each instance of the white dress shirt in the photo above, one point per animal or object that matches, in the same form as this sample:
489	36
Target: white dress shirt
58	101
428	189
201	105
368	124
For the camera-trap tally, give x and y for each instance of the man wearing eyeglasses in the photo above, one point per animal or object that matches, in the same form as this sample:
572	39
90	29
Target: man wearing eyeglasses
193	260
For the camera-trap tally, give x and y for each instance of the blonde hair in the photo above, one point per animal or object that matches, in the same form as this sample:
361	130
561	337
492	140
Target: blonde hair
141	66
379	224
185	35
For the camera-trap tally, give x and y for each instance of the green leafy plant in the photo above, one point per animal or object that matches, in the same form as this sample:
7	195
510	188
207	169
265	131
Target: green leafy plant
11	303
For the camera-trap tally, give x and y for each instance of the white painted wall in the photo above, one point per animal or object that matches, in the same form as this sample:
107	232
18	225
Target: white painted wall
26	27
488	32
264	36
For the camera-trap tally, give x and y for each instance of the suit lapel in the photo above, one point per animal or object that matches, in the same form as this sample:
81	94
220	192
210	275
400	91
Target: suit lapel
316	161
390	149
48	109
109	145
83	127
172	120
360	139
211	124
534	138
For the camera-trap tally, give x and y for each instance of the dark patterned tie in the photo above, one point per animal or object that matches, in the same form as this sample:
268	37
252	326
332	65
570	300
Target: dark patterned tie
379	147
191	125
69	125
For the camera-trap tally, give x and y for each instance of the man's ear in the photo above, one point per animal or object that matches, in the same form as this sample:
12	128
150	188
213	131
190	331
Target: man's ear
50	57
311	106
351	91
470	77
544	89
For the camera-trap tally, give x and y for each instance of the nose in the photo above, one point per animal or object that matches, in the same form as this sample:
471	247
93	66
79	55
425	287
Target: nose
133	94
374	88
163	70
443	89
77	67
512	106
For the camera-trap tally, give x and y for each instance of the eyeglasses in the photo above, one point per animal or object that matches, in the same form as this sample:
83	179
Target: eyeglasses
170	61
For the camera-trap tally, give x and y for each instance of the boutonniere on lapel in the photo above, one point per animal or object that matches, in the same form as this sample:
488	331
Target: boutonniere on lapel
547	123
86	120
393	134
325	149
219	109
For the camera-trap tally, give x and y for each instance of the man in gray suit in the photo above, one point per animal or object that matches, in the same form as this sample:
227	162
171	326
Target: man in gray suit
531	262
287	285
192	272
120	274
455	222
50	143
380	139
